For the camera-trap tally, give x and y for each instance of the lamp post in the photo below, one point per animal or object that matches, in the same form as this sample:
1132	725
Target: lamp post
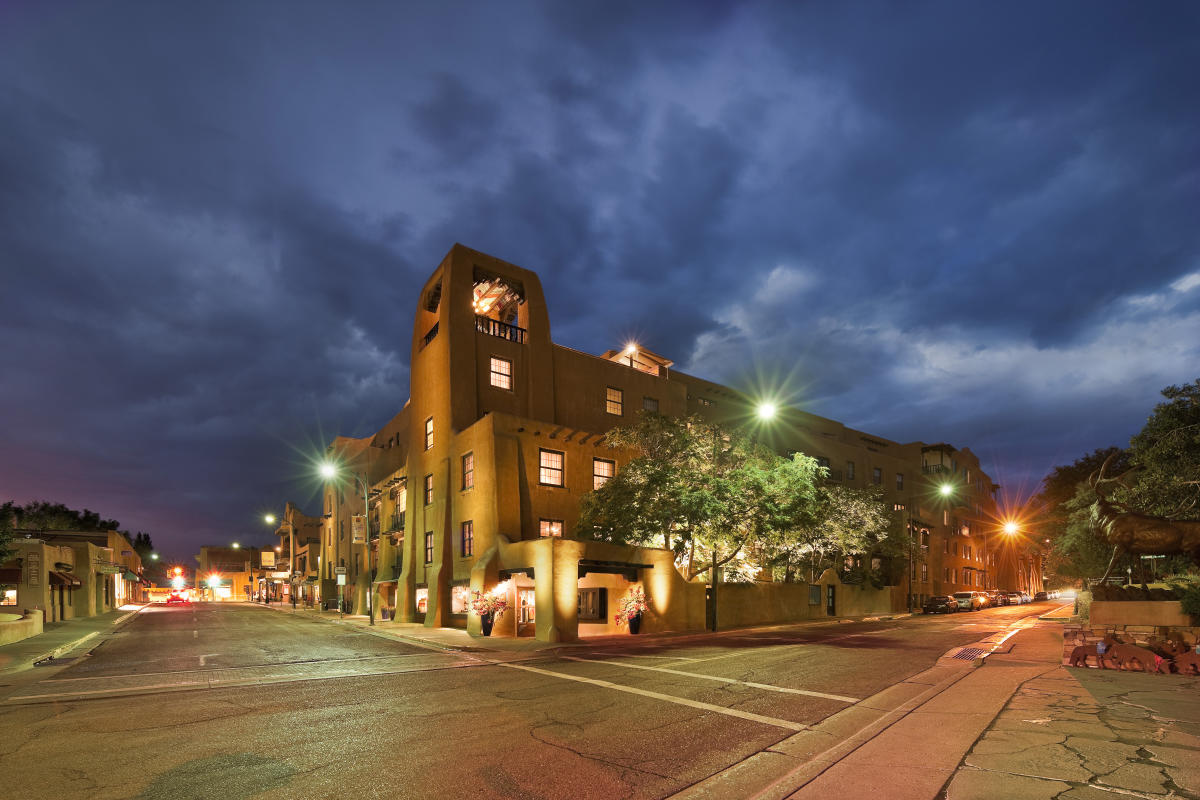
329	471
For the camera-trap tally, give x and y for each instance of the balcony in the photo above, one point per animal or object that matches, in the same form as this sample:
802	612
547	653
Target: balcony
374	530
396	523
934	469
501	330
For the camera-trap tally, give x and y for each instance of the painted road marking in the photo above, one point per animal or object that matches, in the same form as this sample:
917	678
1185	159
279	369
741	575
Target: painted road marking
766	686
729	712
309	662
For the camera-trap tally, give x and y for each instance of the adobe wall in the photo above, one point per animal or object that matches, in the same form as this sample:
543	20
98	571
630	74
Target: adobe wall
1154	613
18	629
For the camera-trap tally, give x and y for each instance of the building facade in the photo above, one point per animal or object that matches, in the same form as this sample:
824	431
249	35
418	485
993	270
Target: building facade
476	482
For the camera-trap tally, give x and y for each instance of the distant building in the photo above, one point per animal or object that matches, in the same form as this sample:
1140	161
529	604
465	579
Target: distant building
69	574
227	573
477	480
299	542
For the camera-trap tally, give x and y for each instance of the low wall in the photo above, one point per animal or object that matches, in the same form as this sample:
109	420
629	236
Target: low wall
23	628
1155	613
746	604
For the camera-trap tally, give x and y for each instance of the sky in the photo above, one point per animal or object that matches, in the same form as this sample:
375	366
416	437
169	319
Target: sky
947	221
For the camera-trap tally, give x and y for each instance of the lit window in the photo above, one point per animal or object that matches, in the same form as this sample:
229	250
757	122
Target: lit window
459	599
704	401
849	470
614	401
924	573
592	605
650	403
428	490
550	527
502	375
468	538
602	470
429	547
550	467
468	471
8	597
899	480
877	476
429	433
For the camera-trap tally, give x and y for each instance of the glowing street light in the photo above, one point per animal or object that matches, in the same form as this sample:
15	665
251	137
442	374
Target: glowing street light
1011	528
269	519
328	471
767	411
946	490
236	545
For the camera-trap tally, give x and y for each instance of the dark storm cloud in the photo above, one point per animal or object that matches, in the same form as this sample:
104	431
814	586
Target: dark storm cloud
938	221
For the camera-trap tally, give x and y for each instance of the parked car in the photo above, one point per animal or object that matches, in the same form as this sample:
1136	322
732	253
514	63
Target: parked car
939	604
995	598
1025	598
968	601
1040	596
1014	598
1002	599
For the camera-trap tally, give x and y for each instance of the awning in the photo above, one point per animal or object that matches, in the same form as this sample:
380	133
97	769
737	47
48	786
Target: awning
63	579
378	581
129	575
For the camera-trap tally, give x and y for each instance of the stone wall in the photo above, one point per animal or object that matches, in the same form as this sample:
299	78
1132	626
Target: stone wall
1155	613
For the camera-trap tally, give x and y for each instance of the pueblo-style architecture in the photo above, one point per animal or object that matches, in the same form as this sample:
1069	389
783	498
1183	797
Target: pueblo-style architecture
475	484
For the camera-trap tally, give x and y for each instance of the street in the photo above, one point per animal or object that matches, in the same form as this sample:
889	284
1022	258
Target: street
236	701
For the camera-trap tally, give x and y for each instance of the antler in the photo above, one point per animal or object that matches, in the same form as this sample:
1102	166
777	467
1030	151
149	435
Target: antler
1098	478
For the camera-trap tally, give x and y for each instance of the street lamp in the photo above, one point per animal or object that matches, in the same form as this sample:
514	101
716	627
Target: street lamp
329	471
767	411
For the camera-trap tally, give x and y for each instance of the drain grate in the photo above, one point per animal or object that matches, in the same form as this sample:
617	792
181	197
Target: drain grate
970	653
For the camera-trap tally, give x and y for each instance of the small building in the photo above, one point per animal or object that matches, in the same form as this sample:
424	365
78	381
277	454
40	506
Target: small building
73	573
227	573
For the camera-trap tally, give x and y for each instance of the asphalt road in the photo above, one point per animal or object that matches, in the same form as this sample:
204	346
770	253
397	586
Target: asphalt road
231	701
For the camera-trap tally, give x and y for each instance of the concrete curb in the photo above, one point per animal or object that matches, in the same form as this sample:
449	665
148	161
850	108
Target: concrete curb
67	647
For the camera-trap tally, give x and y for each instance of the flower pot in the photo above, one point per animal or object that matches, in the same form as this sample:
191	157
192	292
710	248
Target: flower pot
486	621
635	623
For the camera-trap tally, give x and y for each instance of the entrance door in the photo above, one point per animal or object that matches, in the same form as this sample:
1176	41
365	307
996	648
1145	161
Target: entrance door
526	612
830	601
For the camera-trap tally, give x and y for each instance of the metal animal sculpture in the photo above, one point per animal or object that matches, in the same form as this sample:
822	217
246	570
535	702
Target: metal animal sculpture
1187	663
1123	654
1079	656
1136	533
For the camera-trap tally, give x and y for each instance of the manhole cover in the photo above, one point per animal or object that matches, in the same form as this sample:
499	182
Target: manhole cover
970	653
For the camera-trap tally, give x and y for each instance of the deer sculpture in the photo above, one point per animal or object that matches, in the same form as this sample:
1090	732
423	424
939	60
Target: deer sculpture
1136	533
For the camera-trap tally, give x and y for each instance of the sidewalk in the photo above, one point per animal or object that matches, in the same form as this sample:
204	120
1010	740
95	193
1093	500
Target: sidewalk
61	637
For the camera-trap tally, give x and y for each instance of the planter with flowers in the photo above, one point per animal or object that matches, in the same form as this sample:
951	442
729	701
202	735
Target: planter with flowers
631	607
487	606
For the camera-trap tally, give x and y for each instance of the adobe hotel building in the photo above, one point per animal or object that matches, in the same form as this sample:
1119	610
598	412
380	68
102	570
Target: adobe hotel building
476	482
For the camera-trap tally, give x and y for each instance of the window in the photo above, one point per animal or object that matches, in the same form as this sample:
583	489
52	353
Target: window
946	574
849	470
428	490
877	476
967	552
614	401
704	401
429	547
429	433
822	461
945	516
468	538
924	573
924	540
459	599
550	527
502	376
468	471
602	470
900	480
947	543
550	467
8	598
593	604
650	403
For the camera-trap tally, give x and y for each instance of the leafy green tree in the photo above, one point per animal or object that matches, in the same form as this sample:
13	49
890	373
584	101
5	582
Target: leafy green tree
8	513
1160	476
843	522
1166	453
705	492
41	515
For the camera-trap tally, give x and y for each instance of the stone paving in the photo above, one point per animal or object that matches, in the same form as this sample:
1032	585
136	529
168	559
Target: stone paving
1085	734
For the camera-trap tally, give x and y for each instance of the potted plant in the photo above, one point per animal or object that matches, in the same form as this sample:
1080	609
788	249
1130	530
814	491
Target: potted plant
488	606
631	608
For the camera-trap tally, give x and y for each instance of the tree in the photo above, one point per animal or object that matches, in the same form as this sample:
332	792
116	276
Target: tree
1064	504
41	515
1166	453
705	492
1161	477
843	522
8	513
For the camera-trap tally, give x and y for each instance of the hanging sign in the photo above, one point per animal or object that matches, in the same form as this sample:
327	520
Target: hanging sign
358	527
